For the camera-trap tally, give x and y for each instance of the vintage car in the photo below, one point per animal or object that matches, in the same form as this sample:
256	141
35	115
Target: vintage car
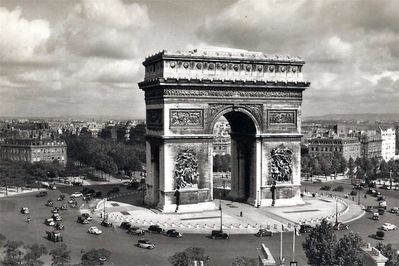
340	226
219	234
173	233
136	231
144	243
49	222
264	232
54	236
24	210
155	229
95	231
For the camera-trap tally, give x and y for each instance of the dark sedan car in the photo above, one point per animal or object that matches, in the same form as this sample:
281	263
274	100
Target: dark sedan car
305	228
219	234
155	229
173	233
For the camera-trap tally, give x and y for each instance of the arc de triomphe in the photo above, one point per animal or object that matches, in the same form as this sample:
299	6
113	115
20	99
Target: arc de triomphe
259	95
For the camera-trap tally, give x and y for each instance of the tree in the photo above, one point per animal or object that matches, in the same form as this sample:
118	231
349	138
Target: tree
351	167
95	257
325	165
2	240
60	256
320	245
13	253
244	261
390	253
34	252
348	251
188	256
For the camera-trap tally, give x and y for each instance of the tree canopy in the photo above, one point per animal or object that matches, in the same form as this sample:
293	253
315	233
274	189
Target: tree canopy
322	247
188	256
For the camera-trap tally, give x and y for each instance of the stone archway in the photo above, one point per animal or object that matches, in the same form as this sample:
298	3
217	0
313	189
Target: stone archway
261	98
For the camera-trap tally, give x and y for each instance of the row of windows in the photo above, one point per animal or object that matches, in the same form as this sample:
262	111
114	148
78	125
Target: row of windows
325	149
48	150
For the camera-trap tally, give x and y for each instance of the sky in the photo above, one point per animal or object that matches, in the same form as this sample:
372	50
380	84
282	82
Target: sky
84	57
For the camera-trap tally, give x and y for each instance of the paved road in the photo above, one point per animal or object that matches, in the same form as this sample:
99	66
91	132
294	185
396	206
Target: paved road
366	226
13	225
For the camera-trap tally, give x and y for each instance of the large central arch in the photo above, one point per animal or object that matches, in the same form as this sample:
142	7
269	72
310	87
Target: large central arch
186	93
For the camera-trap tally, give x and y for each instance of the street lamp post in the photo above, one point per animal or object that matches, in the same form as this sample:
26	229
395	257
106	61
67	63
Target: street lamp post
336	210
221	215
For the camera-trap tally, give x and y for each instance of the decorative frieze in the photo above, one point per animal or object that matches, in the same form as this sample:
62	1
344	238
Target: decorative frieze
154	118
222	92
278	117
186	118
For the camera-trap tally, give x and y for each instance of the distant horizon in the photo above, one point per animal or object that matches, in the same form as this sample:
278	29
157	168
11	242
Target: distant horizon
119	117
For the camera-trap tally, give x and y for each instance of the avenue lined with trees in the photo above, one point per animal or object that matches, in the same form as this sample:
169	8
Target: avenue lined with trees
366	169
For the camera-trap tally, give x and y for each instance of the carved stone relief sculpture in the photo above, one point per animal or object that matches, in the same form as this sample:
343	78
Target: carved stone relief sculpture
186	118
186	170
281	164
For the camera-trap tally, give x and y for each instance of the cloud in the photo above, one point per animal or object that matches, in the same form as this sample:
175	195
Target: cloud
107	29
343	42
92	60
22	40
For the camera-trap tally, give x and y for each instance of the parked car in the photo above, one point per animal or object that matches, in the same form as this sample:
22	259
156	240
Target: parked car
82	220
144	243
155	229
76	195
388	227
136	231
55	210
380	198
264	232
380	235
305	228
173	233
61	197
42	194
56	217
395	210
125	225
325	188
49	203
381	210
376	216
371	191
49	222
219	234
317	181
383	204
340	226
370	209
54	236
106	223
86	216
72	201
95	231
376	193
59	226
25	210
385	187
64	207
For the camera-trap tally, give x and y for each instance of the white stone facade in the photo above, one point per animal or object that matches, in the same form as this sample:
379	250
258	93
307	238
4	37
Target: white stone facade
388	143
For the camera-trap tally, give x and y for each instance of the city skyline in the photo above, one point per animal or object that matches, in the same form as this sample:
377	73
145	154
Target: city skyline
83	58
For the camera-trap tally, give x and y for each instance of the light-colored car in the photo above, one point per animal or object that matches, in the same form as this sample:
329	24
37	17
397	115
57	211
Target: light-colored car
76	195
25	210
94	230
144	243
49	222
383	204
87	216
388	227
395	210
